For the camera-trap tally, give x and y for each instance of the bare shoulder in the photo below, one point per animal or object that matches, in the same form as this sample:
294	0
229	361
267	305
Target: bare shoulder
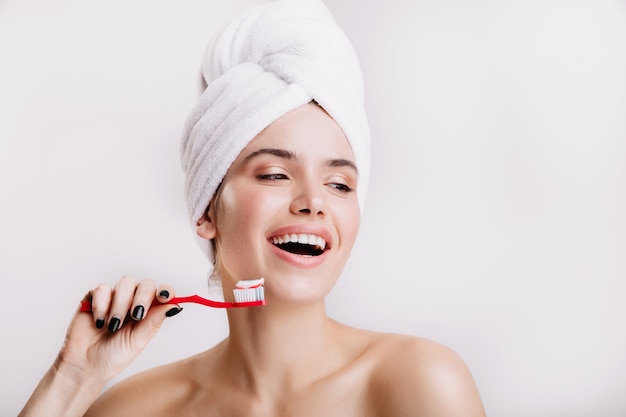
155	392
418	377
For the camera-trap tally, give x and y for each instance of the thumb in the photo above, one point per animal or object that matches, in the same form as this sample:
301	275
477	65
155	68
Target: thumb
145	329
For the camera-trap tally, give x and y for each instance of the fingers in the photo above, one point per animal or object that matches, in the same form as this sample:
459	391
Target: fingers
100	302
144	294
145	329
164	294
122	299
129	300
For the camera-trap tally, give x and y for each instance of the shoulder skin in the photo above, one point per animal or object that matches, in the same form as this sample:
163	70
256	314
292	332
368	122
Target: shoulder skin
418	377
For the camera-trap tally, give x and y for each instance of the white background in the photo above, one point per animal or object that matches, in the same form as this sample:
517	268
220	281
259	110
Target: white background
495	221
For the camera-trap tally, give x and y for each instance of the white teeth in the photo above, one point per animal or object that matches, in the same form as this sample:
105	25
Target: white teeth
302	238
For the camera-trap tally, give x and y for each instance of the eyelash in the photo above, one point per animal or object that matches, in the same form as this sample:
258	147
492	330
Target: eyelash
342	188
272	177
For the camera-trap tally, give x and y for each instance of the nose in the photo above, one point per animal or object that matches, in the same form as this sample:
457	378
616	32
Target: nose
308	200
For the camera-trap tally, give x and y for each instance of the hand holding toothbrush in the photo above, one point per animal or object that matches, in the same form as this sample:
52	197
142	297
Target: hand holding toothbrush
98	346
122	321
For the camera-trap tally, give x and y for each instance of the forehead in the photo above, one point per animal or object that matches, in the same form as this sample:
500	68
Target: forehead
307	131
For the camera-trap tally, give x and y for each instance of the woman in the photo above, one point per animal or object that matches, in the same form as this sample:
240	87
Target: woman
277	145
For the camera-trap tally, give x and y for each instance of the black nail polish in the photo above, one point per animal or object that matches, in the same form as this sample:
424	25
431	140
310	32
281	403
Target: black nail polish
164	294
114	324
173	311
138	312
99	323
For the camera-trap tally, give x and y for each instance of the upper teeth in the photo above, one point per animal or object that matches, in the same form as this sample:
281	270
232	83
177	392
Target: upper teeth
303	238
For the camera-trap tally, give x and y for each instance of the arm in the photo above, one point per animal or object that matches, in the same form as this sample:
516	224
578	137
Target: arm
63	391
96	348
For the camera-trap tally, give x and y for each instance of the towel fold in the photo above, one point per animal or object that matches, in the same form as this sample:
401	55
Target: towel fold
270	60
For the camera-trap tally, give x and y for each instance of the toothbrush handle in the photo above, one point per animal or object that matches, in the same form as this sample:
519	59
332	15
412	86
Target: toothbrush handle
86	305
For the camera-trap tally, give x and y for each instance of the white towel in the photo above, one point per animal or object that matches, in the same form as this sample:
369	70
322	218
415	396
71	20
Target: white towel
270	60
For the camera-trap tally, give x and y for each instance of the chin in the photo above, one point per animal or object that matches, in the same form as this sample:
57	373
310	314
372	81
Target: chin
297	290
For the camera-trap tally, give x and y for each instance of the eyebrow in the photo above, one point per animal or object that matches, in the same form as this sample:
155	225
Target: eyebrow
281	153
292	156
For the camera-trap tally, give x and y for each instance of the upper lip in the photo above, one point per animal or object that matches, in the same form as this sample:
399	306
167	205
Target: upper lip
312	234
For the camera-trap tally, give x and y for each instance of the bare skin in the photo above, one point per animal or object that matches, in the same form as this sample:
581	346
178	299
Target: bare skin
287	358
364	374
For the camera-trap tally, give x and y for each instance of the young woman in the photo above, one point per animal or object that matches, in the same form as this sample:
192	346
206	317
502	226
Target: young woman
298	168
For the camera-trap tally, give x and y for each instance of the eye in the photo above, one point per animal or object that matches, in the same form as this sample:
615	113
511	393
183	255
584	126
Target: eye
342	188
272	177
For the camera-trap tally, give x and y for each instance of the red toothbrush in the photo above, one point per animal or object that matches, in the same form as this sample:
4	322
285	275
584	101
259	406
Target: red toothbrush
248	293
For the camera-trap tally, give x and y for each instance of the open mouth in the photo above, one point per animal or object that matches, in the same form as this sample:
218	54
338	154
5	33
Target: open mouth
300	244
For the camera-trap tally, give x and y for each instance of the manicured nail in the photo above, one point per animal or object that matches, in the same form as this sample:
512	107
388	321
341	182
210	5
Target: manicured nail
173	311
99	323
164	294
114	324
138	312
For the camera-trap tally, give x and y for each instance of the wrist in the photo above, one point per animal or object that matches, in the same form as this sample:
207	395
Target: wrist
64	391
75	377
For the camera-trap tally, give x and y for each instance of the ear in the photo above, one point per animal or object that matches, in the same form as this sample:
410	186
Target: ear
205	226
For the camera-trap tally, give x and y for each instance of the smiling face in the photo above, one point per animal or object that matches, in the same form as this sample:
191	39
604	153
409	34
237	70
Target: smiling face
287	209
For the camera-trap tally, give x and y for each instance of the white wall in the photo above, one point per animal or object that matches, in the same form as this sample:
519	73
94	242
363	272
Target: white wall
495	221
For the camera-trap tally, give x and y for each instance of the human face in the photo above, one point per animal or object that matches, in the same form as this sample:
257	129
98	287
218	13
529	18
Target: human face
297	177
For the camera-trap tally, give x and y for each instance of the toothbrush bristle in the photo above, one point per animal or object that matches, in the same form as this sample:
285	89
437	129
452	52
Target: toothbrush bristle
249	291
249	295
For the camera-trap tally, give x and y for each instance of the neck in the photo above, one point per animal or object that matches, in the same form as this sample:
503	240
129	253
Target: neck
290	343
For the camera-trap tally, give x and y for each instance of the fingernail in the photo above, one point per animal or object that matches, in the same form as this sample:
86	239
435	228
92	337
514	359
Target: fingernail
164	294
138	312
99	323
173	311
114	324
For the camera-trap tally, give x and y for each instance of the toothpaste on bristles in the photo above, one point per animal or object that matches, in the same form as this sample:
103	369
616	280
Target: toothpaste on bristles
249	290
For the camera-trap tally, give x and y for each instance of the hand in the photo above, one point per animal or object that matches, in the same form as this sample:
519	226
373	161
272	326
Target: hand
123	320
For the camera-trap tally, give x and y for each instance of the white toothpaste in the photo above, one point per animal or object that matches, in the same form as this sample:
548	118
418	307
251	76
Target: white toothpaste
250	283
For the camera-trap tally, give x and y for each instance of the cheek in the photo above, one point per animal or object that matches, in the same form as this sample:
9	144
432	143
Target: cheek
232	212
243	213
353	223
348	223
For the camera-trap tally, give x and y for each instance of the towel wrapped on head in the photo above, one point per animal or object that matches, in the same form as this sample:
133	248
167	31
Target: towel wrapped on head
270	60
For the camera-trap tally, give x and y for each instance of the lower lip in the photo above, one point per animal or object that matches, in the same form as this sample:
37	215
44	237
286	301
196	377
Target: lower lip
301	261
